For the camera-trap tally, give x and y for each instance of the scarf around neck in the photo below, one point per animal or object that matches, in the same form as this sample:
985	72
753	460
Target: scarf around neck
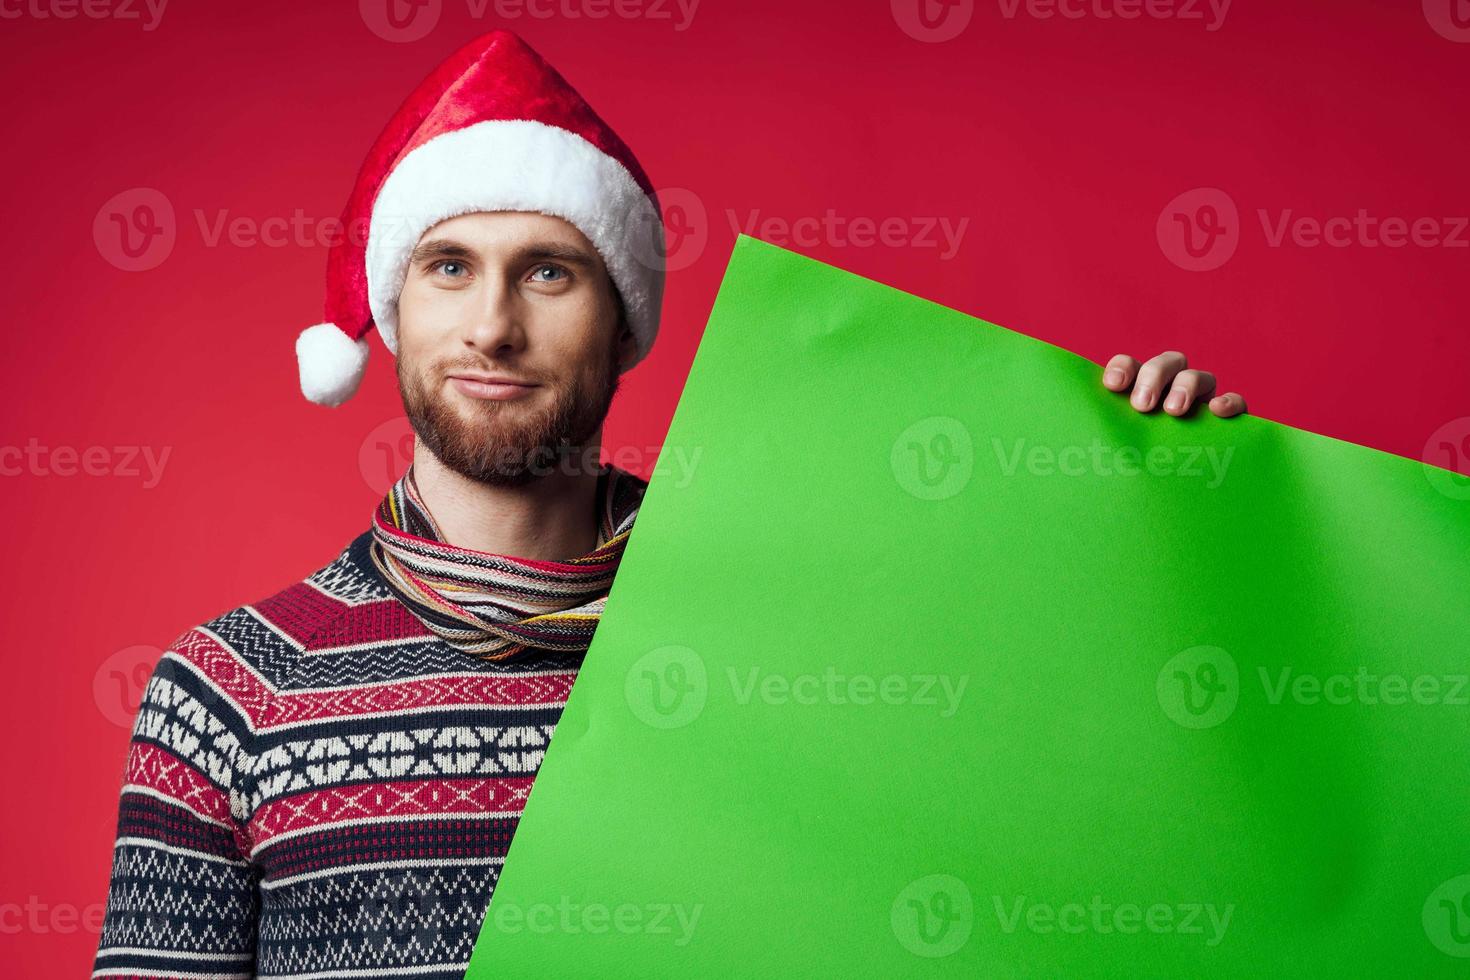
495	606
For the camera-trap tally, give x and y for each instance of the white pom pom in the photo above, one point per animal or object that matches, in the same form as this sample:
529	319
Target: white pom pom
332	364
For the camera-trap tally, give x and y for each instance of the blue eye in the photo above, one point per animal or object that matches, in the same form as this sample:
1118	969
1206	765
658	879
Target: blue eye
548	268
449	264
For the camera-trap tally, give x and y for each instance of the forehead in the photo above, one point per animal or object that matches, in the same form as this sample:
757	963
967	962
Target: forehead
493	231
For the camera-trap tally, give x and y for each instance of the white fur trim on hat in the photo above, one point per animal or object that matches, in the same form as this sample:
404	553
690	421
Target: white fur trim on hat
331	363
518	165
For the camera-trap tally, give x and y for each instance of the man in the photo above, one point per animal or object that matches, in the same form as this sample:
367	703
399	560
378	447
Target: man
325	782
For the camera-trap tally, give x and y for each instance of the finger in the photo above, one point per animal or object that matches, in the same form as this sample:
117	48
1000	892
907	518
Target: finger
1154	377
1227	405
1189	387
1120	372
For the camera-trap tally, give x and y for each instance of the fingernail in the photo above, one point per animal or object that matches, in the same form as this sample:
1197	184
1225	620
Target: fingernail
1113	376
1143	397
1175	402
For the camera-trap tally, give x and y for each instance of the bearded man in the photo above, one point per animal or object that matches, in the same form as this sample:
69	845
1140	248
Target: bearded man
325	782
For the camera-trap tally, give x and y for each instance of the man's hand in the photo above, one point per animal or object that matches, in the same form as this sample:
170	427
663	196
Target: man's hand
1168	379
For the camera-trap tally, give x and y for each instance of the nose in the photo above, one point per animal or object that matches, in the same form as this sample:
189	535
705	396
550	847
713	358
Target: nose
497	329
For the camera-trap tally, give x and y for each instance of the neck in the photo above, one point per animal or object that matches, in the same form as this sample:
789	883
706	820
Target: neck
552	518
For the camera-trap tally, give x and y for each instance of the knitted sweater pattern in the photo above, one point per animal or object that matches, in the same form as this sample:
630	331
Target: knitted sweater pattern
317	784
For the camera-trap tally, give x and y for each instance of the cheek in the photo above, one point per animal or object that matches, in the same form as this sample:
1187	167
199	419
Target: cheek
425	314
574	329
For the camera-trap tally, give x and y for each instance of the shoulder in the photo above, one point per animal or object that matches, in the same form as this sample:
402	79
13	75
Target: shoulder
223	683
247	653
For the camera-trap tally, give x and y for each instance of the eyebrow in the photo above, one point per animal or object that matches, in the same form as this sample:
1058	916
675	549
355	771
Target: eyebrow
448	248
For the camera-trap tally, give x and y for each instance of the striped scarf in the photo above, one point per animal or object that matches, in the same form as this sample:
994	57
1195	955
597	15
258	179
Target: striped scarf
495	606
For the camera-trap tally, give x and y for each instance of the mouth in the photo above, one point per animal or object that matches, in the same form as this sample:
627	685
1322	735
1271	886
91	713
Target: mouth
492	387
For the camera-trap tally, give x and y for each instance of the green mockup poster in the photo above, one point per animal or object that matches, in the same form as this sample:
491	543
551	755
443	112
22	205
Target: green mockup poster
931	657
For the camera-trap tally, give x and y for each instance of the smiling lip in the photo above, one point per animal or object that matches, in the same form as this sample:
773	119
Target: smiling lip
493	387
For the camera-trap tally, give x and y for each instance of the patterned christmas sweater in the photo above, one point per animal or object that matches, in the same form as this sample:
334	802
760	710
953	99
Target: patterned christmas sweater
317	786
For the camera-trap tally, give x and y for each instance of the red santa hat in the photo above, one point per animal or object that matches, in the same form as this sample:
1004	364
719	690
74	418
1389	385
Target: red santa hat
493	128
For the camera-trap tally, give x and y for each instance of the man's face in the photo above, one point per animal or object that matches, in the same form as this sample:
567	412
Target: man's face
515	297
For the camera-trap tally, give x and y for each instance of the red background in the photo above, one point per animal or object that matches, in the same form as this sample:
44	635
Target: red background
1061	139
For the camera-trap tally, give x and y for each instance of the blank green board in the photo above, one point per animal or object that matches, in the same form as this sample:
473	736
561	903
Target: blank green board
934	658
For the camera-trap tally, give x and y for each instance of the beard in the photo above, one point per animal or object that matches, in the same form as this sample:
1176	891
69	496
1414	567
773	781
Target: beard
505	443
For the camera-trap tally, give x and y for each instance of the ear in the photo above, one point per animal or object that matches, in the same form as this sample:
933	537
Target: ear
627	345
